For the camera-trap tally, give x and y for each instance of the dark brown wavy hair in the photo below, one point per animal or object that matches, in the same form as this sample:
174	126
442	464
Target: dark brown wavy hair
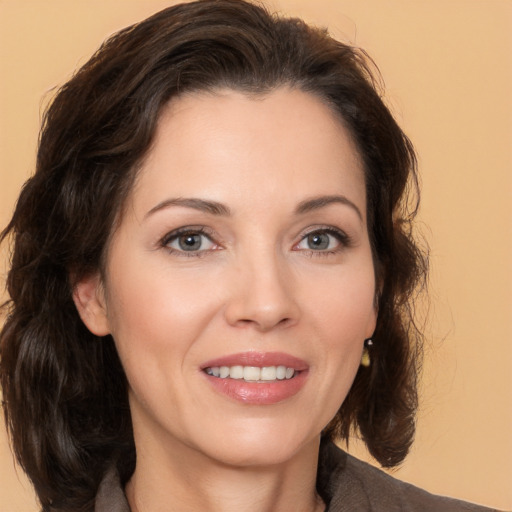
64	390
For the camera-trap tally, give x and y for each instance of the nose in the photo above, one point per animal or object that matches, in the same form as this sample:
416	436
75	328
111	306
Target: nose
262	295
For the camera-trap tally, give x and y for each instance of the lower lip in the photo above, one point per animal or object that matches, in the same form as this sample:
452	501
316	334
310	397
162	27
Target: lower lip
259	393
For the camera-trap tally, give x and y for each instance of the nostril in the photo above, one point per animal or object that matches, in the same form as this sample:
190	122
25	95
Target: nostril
263	325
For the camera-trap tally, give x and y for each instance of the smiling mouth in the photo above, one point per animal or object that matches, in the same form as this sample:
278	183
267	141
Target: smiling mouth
257	374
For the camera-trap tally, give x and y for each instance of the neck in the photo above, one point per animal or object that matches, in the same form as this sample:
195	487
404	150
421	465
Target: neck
184	480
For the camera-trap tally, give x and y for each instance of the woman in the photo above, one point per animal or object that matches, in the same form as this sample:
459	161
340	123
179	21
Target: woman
211	276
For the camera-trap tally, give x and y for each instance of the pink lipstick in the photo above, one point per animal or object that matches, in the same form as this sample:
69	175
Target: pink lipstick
258	378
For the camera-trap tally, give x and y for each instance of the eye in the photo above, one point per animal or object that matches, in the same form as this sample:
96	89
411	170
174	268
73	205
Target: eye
323	240
189	241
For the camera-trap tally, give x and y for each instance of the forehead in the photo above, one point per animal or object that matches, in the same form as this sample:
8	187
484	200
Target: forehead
227	142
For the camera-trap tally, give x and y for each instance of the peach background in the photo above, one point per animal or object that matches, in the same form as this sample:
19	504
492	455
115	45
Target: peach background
448	70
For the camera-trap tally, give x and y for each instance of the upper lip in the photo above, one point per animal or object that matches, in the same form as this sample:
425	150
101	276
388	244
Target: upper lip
253	358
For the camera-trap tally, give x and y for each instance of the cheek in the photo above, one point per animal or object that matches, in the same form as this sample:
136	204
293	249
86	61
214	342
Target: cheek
342	318
155	311
343	315
345	307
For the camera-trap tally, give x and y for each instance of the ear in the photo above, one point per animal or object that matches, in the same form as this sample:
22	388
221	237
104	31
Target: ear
89	299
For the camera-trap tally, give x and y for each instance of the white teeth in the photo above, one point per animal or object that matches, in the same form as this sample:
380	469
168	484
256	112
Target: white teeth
281	372
236	372
268	373
252	373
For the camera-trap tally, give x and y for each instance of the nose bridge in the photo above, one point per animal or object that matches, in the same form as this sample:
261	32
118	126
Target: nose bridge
262	293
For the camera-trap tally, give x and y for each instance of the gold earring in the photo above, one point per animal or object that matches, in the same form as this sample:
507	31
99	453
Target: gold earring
365	357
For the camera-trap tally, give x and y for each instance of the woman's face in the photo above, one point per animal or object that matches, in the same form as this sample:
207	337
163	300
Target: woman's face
240	285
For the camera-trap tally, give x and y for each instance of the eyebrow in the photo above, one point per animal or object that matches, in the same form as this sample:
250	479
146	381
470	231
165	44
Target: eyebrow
316	203
215	208
211	207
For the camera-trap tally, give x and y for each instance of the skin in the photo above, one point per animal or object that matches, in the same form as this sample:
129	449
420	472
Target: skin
257	283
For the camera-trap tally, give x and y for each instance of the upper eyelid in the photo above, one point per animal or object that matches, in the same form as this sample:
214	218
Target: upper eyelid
322	228
175	233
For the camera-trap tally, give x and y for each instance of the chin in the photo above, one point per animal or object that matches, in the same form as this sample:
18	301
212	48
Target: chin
262	447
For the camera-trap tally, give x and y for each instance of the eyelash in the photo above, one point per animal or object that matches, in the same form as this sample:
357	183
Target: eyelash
188	230
343	239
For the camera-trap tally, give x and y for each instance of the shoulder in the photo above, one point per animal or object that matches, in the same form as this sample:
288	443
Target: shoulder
357	486
390	494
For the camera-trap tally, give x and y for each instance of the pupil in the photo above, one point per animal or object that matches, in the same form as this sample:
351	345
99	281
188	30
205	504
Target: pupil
318	241
190	242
